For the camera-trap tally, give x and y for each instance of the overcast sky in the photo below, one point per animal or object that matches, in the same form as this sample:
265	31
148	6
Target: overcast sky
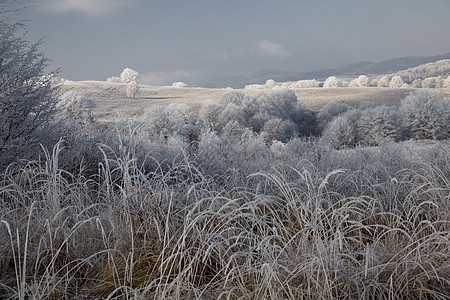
194	41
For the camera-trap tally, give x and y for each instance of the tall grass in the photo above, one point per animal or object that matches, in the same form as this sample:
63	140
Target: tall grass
356	224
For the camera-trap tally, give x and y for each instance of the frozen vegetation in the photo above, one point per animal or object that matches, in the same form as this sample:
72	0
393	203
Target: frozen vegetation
247	197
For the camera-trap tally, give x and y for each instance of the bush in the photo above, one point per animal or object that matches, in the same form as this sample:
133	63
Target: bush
179	84
342	131
280	130
332	82
383	82
329	112
27	97
75	104
426	115
174	120
396	82
361	81
380	122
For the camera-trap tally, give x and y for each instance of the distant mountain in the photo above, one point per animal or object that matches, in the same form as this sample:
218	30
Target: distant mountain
388	66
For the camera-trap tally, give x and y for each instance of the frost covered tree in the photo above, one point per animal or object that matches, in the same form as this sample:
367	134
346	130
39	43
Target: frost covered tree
379	122
174	120
280	130
332	82
342	131
396	82
330	111
129	75
132	89
383	82
27	97
426	115
361	81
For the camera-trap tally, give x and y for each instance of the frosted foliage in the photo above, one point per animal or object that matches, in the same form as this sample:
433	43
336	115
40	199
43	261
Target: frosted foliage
417	83
383	82
332	82
361	81
179	84
270	84
396	82
426	115
433	82
377	123
329	112
446	83
301	84
434	69
210	111
236	148
75	104
174	120
232	113
128	75
132	89
342	131
114	79
278	129
27	98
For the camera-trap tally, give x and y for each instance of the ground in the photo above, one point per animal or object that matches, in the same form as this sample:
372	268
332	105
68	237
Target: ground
109	98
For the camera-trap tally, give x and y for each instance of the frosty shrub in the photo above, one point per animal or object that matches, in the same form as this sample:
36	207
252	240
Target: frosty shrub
417	84
114	79
174	120
329	112
303	84
433	82
426	115
361	81
332	82
446	83
210	112
232	113
284	104
132	89
129	75
270	84
342	131
280	130
396	82
179	84
383	82
75	104
27	97
255	87
380	122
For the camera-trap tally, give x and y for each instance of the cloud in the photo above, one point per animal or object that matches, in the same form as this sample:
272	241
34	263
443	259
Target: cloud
87	7
272	49
261	48
167	78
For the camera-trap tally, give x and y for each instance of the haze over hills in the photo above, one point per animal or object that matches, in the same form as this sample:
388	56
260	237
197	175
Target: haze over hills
351	70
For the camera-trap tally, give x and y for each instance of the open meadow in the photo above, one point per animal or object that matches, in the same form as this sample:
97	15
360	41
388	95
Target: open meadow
247	195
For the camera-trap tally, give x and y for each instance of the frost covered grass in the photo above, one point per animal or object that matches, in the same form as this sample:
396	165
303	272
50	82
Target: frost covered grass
360	223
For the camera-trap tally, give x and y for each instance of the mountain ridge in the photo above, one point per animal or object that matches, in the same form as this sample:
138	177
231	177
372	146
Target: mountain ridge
387	66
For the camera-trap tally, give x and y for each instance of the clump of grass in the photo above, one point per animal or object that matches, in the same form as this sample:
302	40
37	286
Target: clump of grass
307	232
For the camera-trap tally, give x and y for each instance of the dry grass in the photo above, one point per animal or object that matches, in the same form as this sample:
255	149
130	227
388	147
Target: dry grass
292	233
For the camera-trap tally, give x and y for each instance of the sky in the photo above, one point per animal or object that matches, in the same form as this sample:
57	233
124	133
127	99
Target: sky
200	40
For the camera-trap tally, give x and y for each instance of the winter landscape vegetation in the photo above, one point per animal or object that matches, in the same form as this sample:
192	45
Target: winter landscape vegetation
327	188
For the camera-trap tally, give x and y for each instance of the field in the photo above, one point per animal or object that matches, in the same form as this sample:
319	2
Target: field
111	97
160	202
